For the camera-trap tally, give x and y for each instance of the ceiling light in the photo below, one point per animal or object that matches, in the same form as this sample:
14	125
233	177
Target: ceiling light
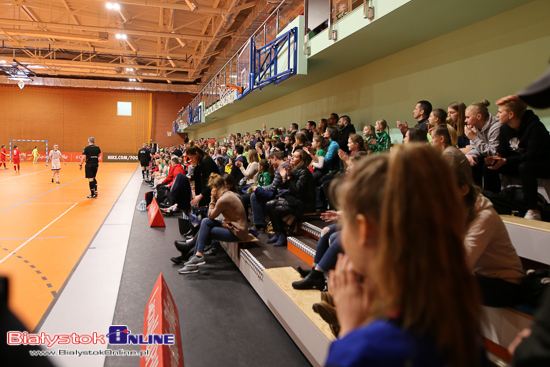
130	69
133	80
121	36
113	6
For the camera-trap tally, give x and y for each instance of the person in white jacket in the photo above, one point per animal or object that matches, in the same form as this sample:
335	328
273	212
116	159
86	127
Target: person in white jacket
483	130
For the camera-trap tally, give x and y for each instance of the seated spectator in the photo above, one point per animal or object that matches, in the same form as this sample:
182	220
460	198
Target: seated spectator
395	267
290	140
220	162
311	127
456	159
232	229
322	126
332	162
369	132
262	195
250	174
523	150
301	142
317	152
266	173
163	188
456	117
382	141
489	250
345	128
421	113
437	117
483	130
229	166
415	135
355	144
298	198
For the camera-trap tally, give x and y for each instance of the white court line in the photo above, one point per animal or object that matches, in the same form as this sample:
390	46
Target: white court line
28	174
37	233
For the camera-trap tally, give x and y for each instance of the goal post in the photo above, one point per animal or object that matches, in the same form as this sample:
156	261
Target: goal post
26	146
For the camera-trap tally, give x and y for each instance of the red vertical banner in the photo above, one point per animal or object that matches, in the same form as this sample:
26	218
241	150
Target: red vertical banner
161	317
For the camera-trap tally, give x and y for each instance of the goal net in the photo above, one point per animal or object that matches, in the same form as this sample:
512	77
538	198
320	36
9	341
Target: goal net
27	146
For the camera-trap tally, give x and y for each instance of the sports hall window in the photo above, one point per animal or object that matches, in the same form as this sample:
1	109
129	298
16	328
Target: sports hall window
124	108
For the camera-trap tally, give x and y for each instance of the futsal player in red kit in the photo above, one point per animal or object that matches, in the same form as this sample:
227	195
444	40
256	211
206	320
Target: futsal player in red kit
16	156
3	156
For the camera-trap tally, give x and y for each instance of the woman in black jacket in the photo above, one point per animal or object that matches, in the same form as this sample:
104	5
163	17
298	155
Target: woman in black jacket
204	166
296	195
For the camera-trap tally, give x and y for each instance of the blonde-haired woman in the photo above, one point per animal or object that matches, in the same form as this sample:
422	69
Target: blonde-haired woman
404	293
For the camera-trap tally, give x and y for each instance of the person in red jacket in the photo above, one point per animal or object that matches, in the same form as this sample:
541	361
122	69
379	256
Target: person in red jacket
175	168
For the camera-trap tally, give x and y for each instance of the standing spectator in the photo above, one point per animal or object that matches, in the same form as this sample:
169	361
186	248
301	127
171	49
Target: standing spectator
322	126
204	166
311	127
332	120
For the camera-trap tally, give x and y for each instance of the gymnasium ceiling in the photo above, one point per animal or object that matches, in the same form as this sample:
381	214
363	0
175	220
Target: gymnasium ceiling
180	43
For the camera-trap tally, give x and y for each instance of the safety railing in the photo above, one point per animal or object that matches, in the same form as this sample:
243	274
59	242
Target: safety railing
237	70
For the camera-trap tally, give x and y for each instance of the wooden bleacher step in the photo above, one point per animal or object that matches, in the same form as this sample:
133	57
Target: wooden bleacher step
304	247
262	265
529	237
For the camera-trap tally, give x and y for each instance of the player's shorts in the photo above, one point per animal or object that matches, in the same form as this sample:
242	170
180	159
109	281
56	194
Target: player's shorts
90	170
145	164
16	161
56	166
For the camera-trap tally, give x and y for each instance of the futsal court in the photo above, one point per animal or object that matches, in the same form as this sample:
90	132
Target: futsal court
46	227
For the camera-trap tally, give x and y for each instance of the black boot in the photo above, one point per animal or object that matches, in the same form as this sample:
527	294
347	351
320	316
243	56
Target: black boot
185	246
303	272
178	259
314	280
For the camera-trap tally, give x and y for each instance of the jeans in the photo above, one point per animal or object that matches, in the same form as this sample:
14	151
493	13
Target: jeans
258	213
212	229
328	248
528	172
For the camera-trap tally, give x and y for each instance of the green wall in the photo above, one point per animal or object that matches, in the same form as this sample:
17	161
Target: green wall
487	60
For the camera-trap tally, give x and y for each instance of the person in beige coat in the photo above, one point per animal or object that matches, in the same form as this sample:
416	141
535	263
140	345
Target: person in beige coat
232	228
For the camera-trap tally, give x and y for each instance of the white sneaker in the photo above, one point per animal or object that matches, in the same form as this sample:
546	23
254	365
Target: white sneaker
531	214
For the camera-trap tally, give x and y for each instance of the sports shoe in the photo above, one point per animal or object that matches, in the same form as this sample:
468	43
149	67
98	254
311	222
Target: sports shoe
195	260
52	180
59	182
531	214
187	269
274	238
91	196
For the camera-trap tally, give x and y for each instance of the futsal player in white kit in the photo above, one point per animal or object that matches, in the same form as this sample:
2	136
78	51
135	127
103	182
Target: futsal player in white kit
55	158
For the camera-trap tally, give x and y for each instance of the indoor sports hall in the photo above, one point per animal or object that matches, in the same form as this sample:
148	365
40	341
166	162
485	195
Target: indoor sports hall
83	265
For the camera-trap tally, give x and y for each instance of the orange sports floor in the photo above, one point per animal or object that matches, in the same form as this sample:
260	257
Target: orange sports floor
46	227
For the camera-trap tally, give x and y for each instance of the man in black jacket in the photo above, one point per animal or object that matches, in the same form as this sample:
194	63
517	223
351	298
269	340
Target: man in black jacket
345	129
523	150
